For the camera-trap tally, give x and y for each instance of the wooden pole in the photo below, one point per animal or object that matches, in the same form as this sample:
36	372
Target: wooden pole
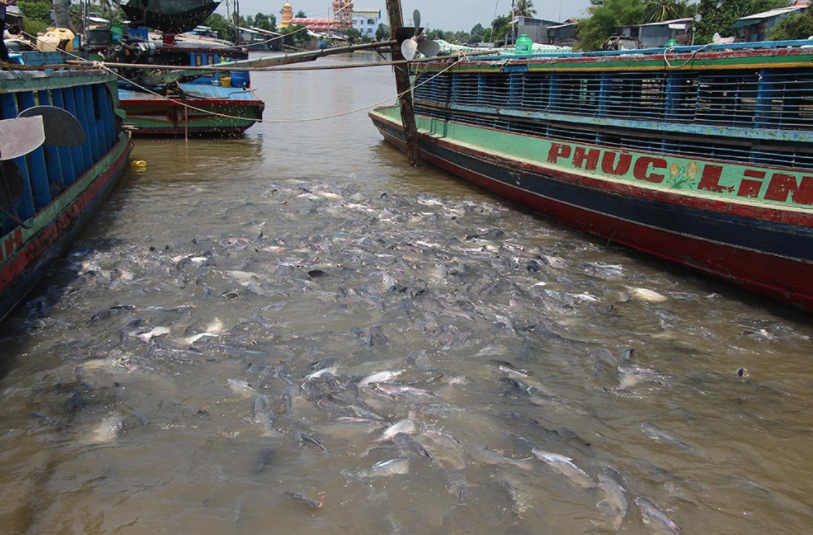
403	87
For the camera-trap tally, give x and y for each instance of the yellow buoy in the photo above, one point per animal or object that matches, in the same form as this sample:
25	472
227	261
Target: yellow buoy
138	164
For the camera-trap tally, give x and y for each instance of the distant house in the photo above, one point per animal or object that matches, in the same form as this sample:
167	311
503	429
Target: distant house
562	34
366	21
536	29
657	34
249	36
757	27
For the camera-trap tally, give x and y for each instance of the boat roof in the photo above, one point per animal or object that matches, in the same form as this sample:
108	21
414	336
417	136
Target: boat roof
722	47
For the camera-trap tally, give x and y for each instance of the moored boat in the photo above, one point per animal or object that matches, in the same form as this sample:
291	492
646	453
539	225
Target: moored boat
221	103
50	192
698	155
211	103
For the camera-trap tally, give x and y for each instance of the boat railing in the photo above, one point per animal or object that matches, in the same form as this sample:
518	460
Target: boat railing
656	51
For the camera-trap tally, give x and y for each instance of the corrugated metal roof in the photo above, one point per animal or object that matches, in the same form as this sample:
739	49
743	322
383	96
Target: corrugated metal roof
772	13
666	22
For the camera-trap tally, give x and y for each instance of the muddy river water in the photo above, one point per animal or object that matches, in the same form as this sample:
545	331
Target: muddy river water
297	333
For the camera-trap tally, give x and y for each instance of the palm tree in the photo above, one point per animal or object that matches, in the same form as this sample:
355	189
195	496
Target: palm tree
524	8
661	10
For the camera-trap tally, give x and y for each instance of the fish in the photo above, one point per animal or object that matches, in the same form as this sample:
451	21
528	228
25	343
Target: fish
633	375
154	333
394	391
406	443
402	426
652	516
308	440
459	487
650	296
614	504
380	377
397	466
509	368
304	500
660	435
264	460
567	467
241	387
318	373
489	456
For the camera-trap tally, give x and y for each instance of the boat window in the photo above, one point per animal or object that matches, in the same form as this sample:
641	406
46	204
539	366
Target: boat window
210	59
198	60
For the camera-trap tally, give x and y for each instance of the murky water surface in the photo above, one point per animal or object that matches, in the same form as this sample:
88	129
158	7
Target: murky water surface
203	360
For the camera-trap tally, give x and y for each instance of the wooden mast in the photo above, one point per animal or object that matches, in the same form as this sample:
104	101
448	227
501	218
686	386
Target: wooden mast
402	85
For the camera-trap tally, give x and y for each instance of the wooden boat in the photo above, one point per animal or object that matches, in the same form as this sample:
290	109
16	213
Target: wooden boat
224	103
170	16
52	191
698	155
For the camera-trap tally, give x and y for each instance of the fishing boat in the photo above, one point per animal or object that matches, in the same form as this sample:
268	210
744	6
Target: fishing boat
213	103
698	155
62	150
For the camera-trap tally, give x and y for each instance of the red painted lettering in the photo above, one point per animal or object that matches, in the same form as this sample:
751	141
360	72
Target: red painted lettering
14	241
749	188
609	165
589	157
558	151
782	185
710	181
641	169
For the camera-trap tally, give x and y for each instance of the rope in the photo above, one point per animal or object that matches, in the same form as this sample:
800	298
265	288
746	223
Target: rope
101	65
691	57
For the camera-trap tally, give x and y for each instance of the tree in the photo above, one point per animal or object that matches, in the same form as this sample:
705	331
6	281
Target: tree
218	23
500	27
524	8
476	34
353	35
720	15
265	22
382	32
795	26
662	10
300	15
604	19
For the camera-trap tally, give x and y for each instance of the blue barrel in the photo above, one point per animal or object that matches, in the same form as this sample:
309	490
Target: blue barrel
239	78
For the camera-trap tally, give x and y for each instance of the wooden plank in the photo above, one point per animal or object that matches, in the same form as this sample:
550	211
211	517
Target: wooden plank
403	86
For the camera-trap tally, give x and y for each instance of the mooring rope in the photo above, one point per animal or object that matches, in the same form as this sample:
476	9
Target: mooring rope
100	64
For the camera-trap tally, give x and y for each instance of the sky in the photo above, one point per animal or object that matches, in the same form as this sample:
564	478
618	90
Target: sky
442	14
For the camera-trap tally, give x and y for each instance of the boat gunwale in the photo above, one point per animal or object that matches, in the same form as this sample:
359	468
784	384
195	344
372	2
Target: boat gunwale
761	211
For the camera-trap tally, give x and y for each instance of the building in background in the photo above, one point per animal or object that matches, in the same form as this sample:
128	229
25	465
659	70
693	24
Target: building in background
343	14
536	29
563	34
657	34
287	15
366	21
757	27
